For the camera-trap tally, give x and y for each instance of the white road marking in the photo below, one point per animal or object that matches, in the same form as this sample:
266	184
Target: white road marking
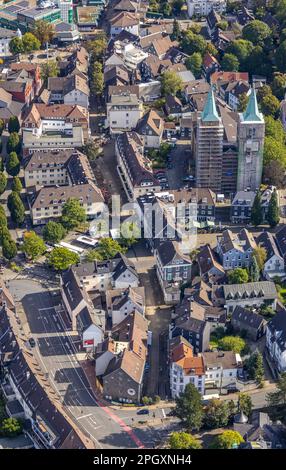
84	416
163	413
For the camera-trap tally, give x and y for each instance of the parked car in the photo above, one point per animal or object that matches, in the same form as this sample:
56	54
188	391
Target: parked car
144	411
32	342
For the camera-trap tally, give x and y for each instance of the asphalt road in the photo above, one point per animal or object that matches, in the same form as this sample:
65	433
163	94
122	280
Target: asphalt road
55	353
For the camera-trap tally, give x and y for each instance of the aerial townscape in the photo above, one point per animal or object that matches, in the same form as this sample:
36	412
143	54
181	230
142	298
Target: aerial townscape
143	224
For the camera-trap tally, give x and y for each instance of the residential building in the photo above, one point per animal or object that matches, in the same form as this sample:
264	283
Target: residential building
204	7
119	273
46	203
133	167
120	303
33	72
209	265
221	370
67	33
185	368
9	107
244	320
210	65
150	128
276	340
124	21
213	18
5	37
123	377
86	318
173	268
261	432
241	206
123	113
54	126
194	329
66	9
250	132
249	295
280	238
72	90
57	167
274	265
173	106
235	249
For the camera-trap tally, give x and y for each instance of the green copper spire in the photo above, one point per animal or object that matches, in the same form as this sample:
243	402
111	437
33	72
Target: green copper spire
252	113
210	112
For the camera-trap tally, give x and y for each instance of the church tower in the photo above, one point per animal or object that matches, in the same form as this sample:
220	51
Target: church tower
250	135
208	146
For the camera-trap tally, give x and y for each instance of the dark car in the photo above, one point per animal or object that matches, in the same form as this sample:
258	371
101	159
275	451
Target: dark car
32	342
144	411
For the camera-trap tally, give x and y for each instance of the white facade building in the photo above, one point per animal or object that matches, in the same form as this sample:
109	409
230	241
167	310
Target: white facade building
199	8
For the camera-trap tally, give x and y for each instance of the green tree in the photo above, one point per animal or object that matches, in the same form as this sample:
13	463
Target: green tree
280	57
274	173
223	25
230	63
227	440
277	400
245	403
257	32
260	254
11	427
279	85
91	150
242	102
4	233
191	42
33	245
254	367
189	407
13	164
53	232
258	62
216	414
30	43
3	218
73	214
256	210
254	270
130	233
44	32
9	248
274	128
13	124
176	30
49	69
16	184
237	276
259	370
16	45
97	48
183	440
270	105
231	343
107	249
273	210
171	83
16	208
62	258
97	79
274	151
13	143
3	182
194	63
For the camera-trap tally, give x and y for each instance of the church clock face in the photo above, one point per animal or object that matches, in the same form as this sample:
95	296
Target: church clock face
131	392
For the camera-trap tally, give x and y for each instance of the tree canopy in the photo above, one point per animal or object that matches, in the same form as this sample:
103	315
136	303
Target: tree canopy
73	214
171	83
257	32
237	276
232	343
183	440
53	232
189	407
33	245
227	440
61	258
